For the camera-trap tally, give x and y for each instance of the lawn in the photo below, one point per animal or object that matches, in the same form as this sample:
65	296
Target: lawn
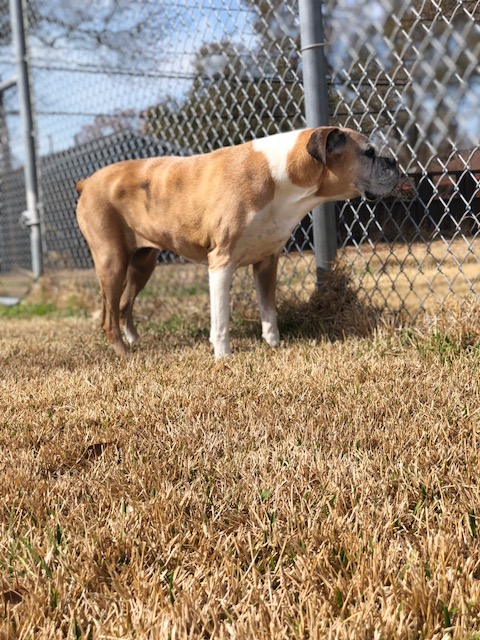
325	489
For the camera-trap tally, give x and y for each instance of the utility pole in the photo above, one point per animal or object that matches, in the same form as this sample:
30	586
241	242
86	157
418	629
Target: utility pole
316	112
31	215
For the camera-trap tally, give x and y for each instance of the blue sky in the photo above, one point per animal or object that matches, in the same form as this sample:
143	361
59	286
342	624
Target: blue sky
74	80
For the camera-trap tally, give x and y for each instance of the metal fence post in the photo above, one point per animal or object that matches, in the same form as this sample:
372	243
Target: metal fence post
316	112
32	216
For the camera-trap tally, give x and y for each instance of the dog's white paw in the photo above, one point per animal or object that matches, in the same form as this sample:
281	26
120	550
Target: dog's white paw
270	334
131	336
221	351
273	340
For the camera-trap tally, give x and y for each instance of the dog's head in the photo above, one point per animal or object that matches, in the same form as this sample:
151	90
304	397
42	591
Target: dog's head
353	162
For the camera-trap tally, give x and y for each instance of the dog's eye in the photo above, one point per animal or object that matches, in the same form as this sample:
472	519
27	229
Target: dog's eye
370	152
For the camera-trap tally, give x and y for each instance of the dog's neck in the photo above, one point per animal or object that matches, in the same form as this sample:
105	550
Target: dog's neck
288	159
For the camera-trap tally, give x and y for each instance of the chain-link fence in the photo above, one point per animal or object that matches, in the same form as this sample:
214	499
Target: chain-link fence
121	79
408	73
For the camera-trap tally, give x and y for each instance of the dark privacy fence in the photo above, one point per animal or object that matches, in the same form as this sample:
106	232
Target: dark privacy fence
117	80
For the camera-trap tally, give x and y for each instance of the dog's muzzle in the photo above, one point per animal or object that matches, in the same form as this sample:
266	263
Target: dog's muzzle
388	179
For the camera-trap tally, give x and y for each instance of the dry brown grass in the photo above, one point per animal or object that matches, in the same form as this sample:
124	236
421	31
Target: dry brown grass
391	276
327	489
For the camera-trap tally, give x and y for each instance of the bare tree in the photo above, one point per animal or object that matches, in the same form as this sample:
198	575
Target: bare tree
106	124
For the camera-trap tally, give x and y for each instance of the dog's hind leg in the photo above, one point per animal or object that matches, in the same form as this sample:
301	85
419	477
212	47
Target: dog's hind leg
265	277
111	272
140	268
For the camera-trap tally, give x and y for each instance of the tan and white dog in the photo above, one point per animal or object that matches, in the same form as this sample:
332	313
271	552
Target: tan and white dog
231	207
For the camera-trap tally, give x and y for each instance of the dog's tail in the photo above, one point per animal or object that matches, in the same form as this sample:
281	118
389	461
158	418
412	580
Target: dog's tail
80	185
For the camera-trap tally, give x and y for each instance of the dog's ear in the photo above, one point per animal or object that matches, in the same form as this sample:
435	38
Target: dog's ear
325	141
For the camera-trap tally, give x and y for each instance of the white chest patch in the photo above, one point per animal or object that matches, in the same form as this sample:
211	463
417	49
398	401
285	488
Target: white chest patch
276	149
269	228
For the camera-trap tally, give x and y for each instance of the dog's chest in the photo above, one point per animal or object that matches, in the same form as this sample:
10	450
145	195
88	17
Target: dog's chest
268	230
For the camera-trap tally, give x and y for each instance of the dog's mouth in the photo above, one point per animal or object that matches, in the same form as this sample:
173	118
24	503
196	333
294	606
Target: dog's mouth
371	197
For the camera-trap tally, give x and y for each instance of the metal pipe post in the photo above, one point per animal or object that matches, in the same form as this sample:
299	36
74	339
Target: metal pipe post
31	216
316	112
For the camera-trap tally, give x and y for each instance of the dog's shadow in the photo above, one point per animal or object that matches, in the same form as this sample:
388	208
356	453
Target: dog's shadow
334	312
337	311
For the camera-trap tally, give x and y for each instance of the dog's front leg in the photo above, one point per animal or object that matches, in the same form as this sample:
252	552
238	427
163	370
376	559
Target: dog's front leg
265	276
219	282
